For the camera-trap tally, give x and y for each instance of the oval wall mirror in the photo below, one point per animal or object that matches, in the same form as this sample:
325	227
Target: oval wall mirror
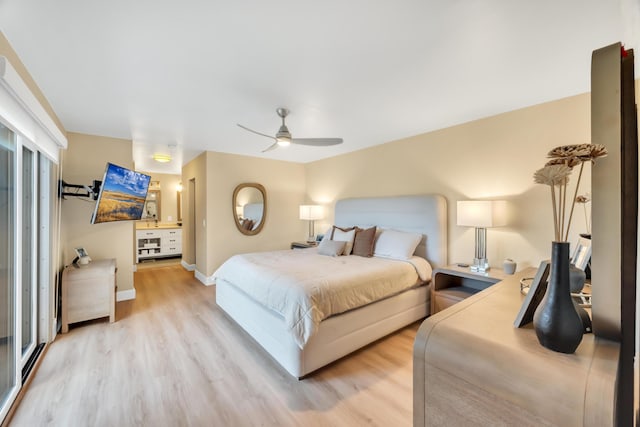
249	208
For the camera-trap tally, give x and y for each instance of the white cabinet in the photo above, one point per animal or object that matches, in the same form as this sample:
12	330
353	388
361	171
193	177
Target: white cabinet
158	243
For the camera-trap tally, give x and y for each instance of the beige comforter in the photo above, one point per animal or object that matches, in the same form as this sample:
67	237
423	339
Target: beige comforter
305	288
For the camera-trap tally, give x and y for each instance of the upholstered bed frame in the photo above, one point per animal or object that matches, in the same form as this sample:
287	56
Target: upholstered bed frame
342	334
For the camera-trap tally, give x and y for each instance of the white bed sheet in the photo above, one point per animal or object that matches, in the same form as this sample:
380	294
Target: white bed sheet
306	288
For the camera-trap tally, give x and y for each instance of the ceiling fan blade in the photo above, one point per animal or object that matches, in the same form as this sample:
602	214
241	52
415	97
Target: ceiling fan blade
318	142
271	147
256	132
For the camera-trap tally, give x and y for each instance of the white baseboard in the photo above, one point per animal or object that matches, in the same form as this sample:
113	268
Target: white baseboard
54	329
135	267
207	281
126	295
188	267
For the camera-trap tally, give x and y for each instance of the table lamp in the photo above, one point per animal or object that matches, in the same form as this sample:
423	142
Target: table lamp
481	214
311	213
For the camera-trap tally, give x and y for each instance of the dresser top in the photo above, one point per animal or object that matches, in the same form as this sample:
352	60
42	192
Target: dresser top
96	268
476	340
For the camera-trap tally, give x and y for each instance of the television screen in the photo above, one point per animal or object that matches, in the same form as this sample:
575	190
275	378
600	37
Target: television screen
122	195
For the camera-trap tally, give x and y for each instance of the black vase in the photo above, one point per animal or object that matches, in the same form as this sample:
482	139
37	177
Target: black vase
557	323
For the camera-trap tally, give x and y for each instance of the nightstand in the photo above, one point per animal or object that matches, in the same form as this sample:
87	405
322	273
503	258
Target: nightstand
452	284
303	245
88	292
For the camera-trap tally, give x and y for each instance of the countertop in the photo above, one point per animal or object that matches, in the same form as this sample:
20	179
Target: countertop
151	226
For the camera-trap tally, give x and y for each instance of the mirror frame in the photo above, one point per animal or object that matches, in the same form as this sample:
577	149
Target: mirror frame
264	209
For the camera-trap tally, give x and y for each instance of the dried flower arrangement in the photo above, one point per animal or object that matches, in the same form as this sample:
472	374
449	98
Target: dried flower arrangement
584	199
556	174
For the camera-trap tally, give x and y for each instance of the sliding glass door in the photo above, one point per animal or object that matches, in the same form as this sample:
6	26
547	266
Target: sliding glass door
19	252
8	351
28	240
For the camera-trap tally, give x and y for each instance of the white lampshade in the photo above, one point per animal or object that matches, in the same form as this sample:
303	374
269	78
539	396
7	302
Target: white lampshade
240	211
311	212
481	213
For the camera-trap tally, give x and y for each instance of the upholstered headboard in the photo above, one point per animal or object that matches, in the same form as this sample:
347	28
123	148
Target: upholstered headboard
424	214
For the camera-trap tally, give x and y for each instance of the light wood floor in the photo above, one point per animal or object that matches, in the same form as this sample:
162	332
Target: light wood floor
174	359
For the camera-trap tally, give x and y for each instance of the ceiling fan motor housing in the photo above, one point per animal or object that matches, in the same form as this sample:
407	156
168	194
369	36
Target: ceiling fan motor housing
283	136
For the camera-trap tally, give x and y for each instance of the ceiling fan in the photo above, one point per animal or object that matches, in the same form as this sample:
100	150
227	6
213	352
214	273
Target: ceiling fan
283	137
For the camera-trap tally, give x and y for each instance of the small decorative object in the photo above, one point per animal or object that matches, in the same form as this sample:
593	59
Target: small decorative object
534	293
557	323
509	266
582	253
584	200
579	264
577	278
82	258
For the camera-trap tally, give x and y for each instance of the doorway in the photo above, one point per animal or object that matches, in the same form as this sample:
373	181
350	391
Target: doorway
192	221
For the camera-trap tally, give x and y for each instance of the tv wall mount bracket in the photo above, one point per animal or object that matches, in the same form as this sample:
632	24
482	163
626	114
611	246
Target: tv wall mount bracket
76	190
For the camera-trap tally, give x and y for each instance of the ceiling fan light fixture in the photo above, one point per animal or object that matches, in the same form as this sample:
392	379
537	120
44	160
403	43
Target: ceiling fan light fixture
161	158
283	141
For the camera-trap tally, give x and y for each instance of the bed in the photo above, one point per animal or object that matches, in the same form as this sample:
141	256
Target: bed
328	339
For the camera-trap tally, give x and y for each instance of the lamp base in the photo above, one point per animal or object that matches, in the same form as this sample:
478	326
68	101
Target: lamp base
480	265
312	232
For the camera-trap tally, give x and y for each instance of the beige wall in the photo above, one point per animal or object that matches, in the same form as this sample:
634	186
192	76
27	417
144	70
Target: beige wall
218	238
492	158
84	161
284	183
195	253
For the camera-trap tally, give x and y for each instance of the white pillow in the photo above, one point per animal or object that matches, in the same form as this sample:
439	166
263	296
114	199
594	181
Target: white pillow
327	234
396	244
331	247
344	236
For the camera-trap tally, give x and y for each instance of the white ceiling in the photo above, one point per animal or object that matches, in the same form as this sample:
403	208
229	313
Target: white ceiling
183	73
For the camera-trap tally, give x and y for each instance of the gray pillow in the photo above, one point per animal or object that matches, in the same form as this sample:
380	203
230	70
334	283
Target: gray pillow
363	242
331	247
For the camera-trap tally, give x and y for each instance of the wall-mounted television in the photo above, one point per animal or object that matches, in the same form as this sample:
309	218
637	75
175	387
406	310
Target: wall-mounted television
122	195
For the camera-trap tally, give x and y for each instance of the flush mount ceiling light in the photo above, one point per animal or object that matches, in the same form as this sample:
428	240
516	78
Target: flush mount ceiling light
162	158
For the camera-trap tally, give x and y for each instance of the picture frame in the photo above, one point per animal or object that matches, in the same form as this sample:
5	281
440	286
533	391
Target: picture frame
582	254
534	296
81	252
